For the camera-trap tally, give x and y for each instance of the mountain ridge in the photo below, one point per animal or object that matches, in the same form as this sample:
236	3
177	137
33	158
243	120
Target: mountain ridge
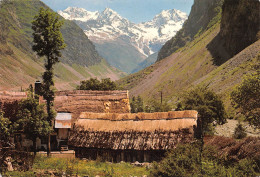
121	26
108	27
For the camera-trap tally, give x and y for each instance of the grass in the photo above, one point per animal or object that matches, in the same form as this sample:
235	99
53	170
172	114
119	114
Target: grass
81	168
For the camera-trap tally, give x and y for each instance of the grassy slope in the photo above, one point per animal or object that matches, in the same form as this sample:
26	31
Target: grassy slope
81	168
189	66
21	69
19	66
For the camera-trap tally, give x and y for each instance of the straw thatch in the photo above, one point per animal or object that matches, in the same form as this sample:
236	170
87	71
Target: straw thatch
6	96
9	102
141	116
153	131
131	125
134	140
78	101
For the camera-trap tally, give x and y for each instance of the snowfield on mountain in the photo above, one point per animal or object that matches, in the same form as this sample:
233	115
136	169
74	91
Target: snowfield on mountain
147	37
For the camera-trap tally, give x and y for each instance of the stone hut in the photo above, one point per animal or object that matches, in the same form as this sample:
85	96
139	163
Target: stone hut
142	137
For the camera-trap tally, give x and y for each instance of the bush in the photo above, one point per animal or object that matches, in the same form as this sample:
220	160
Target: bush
185	161
240	132
95	84
246	98
209	106
182	161
156	106
137	105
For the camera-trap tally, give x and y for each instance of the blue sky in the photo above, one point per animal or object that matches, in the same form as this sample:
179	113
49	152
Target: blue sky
134	10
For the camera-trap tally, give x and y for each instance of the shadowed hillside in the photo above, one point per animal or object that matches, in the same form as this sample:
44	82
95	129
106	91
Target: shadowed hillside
240	24
19	64
203	15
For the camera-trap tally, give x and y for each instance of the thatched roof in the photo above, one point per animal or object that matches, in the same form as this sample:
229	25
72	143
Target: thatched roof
6	96
141	116
125	131
118	140
9	101
78	101
166	121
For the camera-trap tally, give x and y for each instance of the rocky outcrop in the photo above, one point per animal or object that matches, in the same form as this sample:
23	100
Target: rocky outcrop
203	15
240	24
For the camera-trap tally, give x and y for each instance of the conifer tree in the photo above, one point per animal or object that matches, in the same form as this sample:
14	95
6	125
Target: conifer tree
48	43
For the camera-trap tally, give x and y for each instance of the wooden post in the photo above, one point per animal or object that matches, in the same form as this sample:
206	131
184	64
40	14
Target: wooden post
49	146
161	96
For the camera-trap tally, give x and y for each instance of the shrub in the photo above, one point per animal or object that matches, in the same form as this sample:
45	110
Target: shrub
137	105
246	98
95	84
156	106
240	132
185	161
209	106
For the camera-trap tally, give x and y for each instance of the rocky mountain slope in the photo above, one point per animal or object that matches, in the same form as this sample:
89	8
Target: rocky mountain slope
109	28
240	24
198	62
19	66
203	15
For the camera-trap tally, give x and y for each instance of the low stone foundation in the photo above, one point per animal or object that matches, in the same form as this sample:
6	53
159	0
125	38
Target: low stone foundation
70	154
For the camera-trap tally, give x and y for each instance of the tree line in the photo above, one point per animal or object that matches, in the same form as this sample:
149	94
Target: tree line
95	84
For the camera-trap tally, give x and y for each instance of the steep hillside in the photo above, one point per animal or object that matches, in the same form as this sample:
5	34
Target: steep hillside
203	15
191	65
19	64
175	73
240	24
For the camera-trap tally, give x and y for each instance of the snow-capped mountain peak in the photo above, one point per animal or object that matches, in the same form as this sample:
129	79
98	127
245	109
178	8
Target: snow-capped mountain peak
107	25
109	11
109	15
79	14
